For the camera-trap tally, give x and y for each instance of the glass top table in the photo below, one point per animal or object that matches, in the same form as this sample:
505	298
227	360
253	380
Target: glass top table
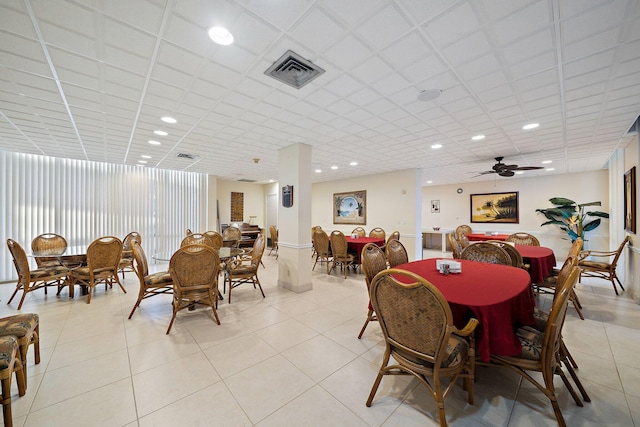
223	253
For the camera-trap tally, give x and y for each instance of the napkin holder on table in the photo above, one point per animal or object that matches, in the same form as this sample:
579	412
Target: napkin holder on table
448	266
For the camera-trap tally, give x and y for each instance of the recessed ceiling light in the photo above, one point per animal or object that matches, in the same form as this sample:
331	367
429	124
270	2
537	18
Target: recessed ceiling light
530	126
353	164
429	182
550	169
272	180
220	35
160	132
429	94
140	165
318	170
546	162
168	119
519	173
152	142
436	146
145	156
142	161
334	167
477	137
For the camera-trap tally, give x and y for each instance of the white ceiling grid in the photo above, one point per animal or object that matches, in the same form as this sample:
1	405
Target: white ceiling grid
571	65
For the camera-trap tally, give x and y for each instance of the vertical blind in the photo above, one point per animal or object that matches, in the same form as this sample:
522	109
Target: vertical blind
83	200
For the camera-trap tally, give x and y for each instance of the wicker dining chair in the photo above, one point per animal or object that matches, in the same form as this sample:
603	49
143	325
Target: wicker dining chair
273	232
462	230
540	350
396	253
194	271
103	259
373	262
232	236
524	239
463	240
359	231
419	334
313	247
196	239
486	252
377	232
394	236
339	253
321	248
216	239
514	254
456	248
601	268
31	280
10	363
159	283
54	243
241	271
126	262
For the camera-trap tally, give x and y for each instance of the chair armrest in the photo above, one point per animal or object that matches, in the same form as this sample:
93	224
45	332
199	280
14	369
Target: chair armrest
468	329
600	254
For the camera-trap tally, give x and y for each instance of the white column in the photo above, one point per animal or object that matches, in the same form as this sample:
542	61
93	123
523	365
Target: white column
294	223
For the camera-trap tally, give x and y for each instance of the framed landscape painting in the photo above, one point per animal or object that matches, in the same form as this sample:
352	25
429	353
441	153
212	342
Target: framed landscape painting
500	208
350	207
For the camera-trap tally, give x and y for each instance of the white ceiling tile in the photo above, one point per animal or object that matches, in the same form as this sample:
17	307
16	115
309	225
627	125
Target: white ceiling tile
348	53
453	25
317	30
407	50
385	26
527	20
594	21
467	48
372	69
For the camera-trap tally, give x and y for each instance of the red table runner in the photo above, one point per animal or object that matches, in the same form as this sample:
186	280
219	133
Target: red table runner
499	296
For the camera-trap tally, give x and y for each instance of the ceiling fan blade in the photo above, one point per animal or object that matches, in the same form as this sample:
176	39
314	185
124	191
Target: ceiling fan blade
529	168
507	172
511	167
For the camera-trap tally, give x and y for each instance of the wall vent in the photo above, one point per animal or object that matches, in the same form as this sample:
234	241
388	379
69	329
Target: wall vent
186	156
294	70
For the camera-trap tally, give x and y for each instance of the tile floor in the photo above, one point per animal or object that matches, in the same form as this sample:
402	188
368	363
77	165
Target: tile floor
290	360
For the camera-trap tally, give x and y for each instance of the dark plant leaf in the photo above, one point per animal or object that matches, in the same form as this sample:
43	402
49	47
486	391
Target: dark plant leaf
561	201
593	224
598	213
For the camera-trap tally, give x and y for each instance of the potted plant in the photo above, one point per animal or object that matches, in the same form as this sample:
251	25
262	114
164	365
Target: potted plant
571	217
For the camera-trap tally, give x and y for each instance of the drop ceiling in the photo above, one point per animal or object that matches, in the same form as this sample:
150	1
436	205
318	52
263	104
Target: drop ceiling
90	80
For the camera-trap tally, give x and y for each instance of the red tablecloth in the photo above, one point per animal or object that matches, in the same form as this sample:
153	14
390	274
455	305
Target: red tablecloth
499	296
541	259
481	237
356	245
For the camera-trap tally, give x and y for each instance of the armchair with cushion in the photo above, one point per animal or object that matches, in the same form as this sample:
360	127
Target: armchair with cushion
524	239
30	280
194	271
419	334
9	363
196	239
486	252
216	239
605	268
240	271
126	262
150	284
49	242
340	253
103	259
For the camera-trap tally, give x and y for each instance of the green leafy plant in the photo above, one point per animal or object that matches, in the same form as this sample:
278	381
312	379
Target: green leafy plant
571	217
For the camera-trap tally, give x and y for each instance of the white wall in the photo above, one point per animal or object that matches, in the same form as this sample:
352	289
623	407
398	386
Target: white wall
254	200
391	204
534	193
632	252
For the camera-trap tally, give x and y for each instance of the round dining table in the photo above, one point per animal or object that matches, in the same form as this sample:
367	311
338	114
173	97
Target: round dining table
356	245
499	296
482	237
541	261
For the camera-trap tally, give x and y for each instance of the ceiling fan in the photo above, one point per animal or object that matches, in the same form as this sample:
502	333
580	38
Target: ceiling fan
507	170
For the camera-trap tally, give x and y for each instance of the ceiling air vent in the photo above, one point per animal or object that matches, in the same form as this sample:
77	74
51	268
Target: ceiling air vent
247	180
294	70
186	156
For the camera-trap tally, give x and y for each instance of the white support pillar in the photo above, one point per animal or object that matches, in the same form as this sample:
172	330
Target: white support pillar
294	223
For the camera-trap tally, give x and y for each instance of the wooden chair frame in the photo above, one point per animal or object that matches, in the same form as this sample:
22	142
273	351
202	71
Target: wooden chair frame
150	284
602	270
373	262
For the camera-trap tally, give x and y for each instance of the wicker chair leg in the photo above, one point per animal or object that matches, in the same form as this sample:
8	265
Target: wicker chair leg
6	402
369	315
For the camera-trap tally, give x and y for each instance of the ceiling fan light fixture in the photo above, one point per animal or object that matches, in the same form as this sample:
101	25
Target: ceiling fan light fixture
429	95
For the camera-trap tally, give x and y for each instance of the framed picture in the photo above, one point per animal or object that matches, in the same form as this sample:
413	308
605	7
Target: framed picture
435	206
630	200
350	207
500	208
